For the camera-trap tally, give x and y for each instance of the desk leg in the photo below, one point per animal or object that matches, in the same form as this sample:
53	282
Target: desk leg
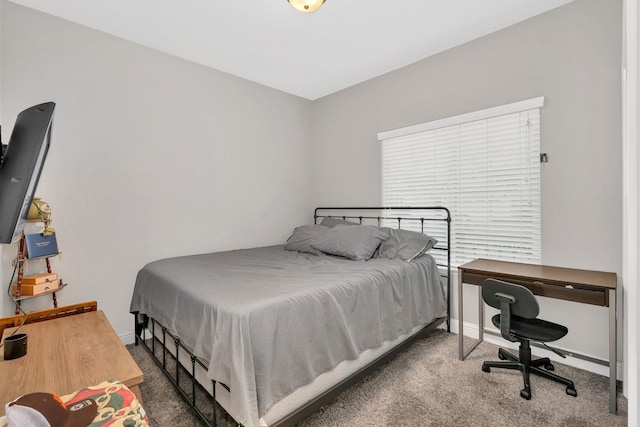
136	391
460	318
613	354
464	354
480	314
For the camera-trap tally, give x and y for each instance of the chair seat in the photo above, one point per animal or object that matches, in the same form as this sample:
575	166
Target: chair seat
533	329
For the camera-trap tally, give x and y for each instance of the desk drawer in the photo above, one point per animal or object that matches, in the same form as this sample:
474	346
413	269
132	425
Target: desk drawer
577	293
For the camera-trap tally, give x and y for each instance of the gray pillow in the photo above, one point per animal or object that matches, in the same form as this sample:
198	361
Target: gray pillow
332	222
304	236
357	242
404	244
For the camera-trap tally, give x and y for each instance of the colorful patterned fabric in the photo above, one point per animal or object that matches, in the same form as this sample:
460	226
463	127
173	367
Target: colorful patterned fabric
117	405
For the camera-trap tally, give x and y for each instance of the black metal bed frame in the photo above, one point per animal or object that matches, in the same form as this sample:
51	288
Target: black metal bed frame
379	216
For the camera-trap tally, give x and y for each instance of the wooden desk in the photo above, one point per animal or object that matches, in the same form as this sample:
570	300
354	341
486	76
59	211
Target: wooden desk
65	355
584	286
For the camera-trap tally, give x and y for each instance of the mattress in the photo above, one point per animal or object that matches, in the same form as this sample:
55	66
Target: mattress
271	321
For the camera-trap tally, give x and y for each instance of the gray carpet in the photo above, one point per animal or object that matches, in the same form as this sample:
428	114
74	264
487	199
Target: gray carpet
427	386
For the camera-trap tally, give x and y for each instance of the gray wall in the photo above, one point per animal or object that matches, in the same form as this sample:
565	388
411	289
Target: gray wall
152	156
571	56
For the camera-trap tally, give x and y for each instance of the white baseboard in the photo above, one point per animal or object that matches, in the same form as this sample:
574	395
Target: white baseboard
471	330
128	338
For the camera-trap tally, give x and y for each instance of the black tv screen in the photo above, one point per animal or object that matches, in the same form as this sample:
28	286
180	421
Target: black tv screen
21	167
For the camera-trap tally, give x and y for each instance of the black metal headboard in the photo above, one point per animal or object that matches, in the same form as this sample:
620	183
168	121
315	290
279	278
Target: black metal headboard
432	220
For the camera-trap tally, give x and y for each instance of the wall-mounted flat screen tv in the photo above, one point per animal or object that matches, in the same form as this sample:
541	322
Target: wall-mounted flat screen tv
21	166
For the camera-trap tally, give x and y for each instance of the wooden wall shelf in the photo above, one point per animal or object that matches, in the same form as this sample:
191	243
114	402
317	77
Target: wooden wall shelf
51	291
20	262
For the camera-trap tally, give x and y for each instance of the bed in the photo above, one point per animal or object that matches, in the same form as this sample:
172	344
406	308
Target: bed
274	333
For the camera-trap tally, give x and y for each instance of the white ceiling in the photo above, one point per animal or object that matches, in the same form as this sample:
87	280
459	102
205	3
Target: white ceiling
310	55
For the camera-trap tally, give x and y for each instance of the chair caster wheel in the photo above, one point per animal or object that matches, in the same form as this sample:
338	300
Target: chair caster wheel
501	356
525	394
485	368
549	367
572	392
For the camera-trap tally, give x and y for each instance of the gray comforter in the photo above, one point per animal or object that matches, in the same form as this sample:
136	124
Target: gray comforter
270	320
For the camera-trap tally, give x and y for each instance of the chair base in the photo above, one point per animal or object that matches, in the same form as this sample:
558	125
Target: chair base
527	366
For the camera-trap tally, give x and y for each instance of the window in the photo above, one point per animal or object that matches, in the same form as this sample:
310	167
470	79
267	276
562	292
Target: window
484	167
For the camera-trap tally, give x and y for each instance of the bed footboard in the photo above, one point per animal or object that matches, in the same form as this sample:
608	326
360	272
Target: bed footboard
166	351
162	350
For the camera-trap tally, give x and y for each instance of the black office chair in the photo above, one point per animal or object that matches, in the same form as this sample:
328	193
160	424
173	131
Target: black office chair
517	322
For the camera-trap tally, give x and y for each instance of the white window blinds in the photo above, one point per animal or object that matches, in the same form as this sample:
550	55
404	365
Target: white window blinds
484	167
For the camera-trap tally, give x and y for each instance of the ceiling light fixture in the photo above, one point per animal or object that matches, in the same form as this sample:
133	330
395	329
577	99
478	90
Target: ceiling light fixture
306	6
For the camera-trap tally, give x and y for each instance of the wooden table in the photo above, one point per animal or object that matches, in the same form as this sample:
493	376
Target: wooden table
570	284
65	355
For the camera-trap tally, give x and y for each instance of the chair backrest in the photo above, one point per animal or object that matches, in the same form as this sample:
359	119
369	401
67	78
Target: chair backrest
525	304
